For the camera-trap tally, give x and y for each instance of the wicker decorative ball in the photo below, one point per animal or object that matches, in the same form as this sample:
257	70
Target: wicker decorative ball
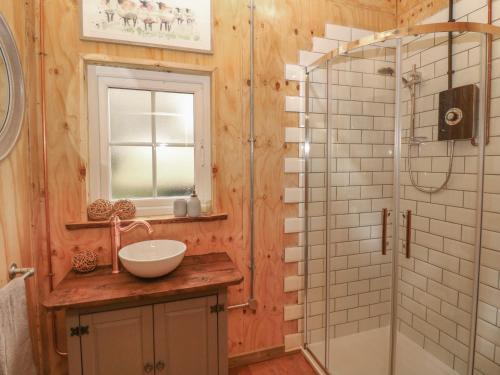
100	209
125	209
84	261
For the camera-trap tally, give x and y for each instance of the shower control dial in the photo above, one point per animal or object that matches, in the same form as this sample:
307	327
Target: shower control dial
454	116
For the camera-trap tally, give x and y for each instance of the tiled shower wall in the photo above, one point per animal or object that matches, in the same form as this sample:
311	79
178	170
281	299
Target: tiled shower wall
436	313
435	294
436	282
361	109
362	123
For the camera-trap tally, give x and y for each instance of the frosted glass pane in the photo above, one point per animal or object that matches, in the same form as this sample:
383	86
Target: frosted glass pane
131	172
130	115
175	171
174	117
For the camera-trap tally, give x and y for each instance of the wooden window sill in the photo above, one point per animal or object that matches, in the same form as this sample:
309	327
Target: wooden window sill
150	220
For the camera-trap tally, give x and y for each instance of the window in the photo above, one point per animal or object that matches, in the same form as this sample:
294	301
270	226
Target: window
149	137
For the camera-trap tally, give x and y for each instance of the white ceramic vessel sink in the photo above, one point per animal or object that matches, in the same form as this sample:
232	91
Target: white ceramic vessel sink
152	258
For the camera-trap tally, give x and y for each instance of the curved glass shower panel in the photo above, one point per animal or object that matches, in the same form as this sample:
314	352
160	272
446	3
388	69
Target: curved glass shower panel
361	122
315	212
438	192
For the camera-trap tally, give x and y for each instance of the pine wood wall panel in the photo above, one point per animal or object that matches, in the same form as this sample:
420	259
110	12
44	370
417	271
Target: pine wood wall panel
19	178
282	28
14	176
409	12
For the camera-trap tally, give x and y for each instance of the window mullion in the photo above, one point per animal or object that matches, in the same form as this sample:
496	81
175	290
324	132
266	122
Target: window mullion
153	133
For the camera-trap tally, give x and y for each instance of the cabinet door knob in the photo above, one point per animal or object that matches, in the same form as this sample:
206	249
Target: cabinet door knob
160	366
148	367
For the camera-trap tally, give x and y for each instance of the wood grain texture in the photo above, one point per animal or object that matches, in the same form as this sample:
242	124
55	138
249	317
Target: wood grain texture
292	364
409	12
151	220
262	355
282	28
20	215
197	273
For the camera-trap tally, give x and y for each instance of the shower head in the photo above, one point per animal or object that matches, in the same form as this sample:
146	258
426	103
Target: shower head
386	71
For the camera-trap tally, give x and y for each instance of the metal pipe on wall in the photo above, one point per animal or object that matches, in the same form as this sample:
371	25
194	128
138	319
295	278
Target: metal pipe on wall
252	302
450	46
43	120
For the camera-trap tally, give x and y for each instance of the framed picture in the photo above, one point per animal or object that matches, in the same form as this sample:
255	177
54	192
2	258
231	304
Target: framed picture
174	24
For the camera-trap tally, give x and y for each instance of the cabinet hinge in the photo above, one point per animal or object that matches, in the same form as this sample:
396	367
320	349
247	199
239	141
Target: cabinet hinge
217	308
79	331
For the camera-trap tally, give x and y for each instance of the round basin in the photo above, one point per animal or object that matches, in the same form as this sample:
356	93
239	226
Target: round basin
152	258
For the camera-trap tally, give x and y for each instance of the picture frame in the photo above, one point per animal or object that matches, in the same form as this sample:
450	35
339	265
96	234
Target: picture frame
185	25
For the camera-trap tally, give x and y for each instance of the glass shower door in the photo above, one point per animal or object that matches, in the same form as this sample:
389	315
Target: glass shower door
438	190
361	123
315	211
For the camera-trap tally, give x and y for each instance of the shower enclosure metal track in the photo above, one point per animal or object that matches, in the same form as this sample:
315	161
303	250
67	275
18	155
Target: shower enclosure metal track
443	27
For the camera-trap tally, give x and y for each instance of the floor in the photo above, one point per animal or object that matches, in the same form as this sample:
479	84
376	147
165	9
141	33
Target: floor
293	364
368	353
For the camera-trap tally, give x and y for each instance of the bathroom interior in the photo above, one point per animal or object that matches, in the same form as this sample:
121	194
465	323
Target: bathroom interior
255	187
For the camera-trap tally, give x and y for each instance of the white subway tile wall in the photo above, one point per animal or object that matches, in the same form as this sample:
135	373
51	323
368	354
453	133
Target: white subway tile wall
361	180
436	283
435	294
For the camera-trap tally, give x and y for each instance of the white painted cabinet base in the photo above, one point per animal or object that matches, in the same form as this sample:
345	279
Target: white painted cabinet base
169	337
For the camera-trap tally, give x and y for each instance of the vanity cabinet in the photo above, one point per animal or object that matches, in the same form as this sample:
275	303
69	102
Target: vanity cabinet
119	324
117	342
170	338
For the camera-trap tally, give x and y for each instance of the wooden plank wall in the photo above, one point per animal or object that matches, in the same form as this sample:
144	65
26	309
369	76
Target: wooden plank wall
20	214
282	28
14	176
410	12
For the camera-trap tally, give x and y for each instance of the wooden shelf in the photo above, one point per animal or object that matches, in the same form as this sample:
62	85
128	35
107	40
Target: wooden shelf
150	220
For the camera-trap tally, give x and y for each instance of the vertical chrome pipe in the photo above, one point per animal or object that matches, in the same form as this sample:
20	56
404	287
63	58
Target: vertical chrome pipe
395	225
479	202
450	45
251	302
489	58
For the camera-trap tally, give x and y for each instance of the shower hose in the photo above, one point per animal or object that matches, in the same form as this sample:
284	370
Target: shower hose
430	190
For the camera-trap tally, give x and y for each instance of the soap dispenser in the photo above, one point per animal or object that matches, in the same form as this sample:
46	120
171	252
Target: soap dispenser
194	205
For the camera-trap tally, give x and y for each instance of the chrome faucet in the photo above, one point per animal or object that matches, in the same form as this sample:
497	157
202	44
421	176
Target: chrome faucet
116	242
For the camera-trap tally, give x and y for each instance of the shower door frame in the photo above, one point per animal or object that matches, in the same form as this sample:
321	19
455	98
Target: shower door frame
380	37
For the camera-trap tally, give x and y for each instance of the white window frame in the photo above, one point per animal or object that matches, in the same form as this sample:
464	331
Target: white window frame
102	78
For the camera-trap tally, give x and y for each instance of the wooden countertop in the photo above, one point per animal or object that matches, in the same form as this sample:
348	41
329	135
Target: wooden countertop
195	274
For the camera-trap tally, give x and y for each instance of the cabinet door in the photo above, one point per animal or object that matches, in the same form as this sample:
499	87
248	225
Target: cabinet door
118	342
186	337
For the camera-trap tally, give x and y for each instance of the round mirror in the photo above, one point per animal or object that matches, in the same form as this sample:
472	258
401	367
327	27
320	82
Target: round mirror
11	90
4	91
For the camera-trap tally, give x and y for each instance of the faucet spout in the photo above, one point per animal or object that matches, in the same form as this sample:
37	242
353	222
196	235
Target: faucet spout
135	224
116	230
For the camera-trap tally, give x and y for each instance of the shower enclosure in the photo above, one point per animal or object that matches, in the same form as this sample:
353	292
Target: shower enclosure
394	150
